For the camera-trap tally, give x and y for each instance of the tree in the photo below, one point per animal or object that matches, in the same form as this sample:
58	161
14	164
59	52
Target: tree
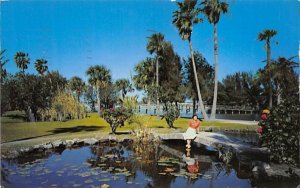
205	73
266	35
99	78
124	86
41	66
184	19
77	85
90	97
145	76
116	117
156	45
247	87
3	72
213	9
22	60
170	75
285	78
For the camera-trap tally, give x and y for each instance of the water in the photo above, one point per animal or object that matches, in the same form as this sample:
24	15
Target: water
128	165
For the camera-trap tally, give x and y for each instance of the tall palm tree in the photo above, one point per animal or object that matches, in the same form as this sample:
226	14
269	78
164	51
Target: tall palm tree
41	66
3	72
124	86
155	45
213	9
99	77
266	35
22	60
77	85
184	19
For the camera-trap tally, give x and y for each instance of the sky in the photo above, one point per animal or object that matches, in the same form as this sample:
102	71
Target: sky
75	34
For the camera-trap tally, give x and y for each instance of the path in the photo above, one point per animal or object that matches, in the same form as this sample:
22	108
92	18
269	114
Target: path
216	139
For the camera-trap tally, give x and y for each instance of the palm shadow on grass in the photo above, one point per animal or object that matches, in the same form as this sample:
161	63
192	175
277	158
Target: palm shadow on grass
77	129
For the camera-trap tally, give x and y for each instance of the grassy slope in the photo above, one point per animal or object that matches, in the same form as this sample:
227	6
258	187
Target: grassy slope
16	130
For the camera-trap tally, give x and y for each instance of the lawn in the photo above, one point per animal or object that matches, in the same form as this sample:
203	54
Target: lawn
13	127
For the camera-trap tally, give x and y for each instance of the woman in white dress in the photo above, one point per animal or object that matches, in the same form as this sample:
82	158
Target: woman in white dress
192	130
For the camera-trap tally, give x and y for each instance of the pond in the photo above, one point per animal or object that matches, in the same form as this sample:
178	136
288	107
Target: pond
129	165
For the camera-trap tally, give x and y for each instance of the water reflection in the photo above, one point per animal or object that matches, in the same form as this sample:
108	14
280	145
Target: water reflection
127	165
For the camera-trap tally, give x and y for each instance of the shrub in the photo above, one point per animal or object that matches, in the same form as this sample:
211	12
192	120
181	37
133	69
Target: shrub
116	117
171	113
281	132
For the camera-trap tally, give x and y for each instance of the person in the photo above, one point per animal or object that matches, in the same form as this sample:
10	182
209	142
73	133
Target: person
192	165
192	130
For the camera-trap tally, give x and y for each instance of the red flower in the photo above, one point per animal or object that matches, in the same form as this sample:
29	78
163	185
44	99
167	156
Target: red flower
263	116
259	130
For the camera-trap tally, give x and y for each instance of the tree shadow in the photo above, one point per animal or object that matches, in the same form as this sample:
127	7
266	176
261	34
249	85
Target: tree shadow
79	128
121	133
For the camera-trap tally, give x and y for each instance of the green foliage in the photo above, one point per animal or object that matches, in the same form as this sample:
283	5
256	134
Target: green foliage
124	86
245	85
41	66
90	97
185	18
21	91
171	113
130	103
76	85
281	132
22	60
116	117
205	73
63	106
3	61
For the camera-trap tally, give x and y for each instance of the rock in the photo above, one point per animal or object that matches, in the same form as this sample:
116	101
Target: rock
24	150
112	138
208	129
47	146
255	169
69	143
90	141
58	143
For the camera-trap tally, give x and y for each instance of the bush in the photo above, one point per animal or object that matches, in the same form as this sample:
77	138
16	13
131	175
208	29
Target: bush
171	113
280	133
116	117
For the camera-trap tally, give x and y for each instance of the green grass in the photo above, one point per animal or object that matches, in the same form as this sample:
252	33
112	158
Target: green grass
13	128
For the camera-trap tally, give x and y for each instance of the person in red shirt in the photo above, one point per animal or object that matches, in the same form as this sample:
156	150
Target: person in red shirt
193	129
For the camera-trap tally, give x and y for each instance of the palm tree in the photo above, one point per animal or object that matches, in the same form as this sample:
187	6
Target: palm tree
145	76
41	66
155	45
266	35
3	72
77	85
285	77
99	77
184	19
22	60
124	86
213	9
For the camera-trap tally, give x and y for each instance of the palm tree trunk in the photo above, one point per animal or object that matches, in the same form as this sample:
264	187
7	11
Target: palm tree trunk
269	75
98	100
197	83
157	99
278	94
214	107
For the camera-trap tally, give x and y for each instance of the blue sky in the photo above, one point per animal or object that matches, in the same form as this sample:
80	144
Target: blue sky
73	35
